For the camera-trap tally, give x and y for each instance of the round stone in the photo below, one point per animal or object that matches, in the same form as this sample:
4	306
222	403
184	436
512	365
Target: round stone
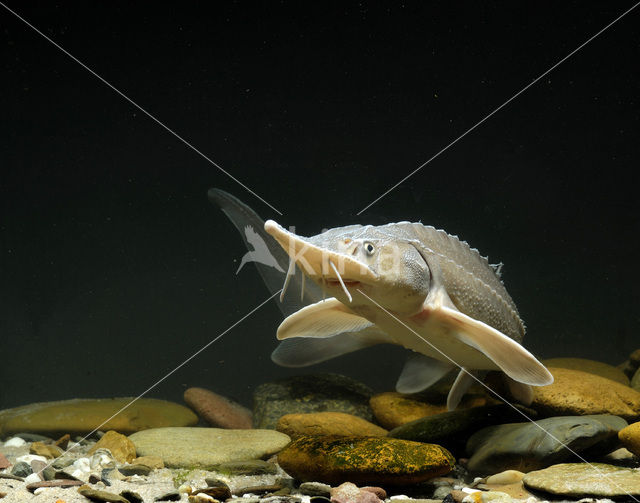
630	438
591	366
577	393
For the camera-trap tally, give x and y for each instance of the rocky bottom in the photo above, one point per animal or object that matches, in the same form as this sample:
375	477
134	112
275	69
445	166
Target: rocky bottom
87	472
325	437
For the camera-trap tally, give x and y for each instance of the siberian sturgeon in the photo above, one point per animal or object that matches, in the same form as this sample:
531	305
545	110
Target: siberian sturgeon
413	285
403	283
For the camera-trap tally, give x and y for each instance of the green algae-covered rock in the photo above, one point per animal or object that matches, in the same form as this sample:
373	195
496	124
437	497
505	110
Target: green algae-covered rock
364	460
309	393
451	429
81	416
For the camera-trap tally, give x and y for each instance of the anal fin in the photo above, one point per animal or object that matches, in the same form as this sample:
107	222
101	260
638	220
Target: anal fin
420	372
466	378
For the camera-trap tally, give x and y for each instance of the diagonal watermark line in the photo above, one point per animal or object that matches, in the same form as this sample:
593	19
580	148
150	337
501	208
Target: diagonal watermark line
76	444
500	107
148	114
499	396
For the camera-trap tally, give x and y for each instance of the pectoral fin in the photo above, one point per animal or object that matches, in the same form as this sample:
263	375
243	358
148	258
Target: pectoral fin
511	357
304	351
326	318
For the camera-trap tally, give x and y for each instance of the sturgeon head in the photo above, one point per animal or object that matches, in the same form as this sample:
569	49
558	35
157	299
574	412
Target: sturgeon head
396	284
357	265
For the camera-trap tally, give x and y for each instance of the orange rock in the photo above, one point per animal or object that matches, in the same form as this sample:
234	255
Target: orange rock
630	437
393	409
218	410
327	423
577	393
119	445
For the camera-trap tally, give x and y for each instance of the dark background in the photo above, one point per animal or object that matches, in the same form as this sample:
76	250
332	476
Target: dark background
114	267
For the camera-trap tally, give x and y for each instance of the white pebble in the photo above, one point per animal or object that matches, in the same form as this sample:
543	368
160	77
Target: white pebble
201	497
31	479
506	477
40	490
28	458
102	459
185	488
14	442
80	475
82	464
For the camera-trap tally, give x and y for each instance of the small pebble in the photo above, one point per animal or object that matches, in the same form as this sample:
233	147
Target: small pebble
135	469
201	498
46	450
21	469
172	496
28	458
97	495
15	442
315	489
350	493
132	496
185	489
32	479
94	478
82	465
505	477
63	441
218	492
37	466
4	462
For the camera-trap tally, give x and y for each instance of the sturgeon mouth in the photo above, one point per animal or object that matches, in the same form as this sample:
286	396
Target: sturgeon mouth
346	282
324	266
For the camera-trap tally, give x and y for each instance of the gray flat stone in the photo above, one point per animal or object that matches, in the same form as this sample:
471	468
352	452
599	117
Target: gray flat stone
577	480
530	446
207	447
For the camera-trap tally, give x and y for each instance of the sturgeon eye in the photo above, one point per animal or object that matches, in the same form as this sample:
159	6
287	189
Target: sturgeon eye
369	248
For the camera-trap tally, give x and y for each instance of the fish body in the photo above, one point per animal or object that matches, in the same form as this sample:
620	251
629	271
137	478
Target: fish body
420	288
